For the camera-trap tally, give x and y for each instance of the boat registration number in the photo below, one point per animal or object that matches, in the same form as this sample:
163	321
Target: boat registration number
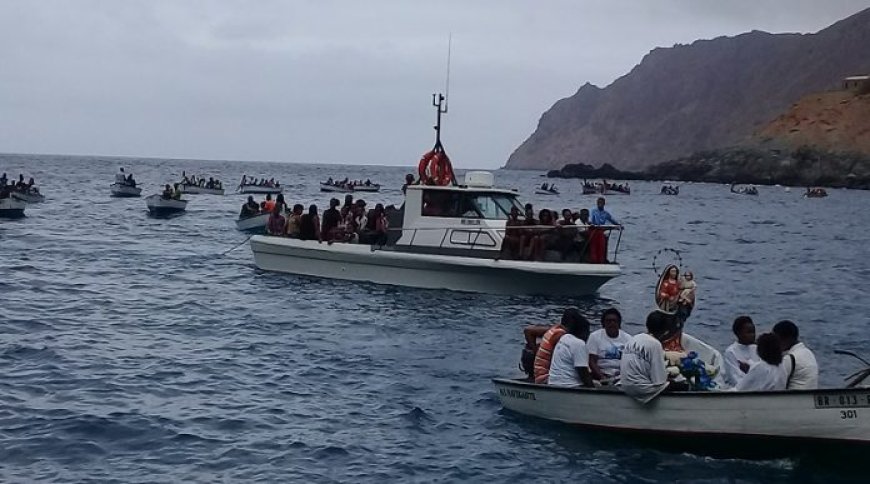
843	400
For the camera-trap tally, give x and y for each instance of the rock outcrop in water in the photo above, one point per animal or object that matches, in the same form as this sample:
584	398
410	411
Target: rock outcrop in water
691	98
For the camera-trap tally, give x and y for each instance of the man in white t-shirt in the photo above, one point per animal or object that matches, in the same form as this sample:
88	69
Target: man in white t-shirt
742	354
570	364
799	362
605	346
642	370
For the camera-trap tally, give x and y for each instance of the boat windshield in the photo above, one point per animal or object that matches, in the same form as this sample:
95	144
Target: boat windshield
495	206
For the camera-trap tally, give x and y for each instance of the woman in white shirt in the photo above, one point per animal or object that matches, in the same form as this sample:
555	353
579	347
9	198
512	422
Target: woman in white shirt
769	373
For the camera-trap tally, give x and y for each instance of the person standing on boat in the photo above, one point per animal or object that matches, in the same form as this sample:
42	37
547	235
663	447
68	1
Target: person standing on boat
570	363
742	354
309	225
799	362
331	222
605	346
597	240
643	375
167	192
276	223
767	374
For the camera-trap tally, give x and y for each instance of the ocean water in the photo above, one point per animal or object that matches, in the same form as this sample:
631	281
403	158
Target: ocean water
139	350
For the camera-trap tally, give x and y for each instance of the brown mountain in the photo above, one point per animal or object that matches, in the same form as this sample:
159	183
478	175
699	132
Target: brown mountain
707	95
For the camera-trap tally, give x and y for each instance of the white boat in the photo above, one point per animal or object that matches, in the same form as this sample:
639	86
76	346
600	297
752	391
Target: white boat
251	224
260	189
198	190
797	416
11	208
373	187
332	188
119	190
157	205
29	196
541	191
458	251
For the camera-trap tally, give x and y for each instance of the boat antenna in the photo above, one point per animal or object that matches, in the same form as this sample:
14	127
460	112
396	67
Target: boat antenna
440	100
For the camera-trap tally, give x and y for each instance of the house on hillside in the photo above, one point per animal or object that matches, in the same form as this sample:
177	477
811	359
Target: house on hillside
857	84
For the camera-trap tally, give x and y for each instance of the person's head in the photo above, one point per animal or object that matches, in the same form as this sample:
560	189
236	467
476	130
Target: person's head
530	211
566	214
584	215
379	208
333	203
769	349
276	210
167	187
600	203
673	272
611	321
515	213
409	178
251	199
312	210
787	332
268	197
657	324
348	200
122	170
298	209
688	276
744	330
575	323
545	217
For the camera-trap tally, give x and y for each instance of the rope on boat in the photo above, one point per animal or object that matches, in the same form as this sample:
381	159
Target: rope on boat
235	246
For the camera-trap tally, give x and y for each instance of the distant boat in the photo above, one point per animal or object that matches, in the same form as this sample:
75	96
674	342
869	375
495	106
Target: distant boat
605	188
198	190
339	187
30	195
264	189
549	191
159	206
256	223
670	190
816	192
746	190
119	190
11	208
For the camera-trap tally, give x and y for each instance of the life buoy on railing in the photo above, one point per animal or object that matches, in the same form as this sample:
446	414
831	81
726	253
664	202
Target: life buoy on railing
423	166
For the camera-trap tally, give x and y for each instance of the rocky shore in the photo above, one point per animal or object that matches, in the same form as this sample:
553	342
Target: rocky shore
803	166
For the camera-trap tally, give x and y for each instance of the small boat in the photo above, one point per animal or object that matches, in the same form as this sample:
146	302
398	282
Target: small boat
372	187
30	195
816	192
263	189
590	190
546	190
349	187
333	188
747	190
670	190
119	190
256	223
159	206
11	208
605	188
198	190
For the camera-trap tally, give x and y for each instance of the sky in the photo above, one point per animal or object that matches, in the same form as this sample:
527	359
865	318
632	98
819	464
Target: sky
328	81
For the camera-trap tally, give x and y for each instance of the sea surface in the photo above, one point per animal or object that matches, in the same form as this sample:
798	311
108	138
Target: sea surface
137	349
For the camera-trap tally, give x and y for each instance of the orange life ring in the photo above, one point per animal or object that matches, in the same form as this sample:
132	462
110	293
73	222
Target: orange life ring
422	167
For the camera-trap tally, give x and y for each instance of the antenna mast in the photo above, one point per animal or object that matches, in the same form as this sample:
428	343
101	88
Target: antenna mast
440	100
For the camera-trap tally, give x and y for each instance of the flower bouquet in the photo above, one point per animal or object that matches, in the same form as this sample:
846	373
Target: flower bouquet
696	374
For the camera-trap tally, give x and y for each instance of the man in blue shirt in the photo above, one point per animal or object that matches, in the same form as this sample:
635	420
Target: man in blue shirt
599	216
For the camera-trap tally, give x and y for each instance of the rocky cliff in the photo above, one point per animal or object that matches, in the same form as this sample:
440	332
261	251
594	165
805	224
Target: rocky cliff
697	97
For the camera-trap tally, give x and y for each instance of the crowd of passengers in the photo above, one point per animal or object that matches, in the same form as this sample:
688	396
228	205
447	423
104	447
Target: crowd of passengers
7	187
262	182
350	222
567	354
349	183
201	182
574	235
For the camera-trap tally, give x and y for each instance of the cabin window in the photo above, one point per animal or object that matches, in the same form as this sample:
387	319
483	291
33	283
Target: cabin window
493	206
476	238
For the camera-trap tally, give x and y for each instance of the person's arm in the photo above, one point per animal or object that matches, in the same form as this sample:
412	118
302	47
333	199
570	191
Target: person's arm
594	368
533	332
732	367
317	232
581	365
658	371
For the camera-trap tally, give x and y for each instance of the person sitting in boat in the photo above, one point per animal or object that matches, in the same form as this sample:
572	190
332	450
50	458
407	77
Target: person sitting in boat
276	223
268	204
3	180
5	191
309	225
249	208
330	226
293	227
347	207
605	347
742	354
799	361
368	182
30	183
280	203
767	374
543	238
643	375
569	366
354	221
176	193
376	227
120	177
510	247
549	337
130	181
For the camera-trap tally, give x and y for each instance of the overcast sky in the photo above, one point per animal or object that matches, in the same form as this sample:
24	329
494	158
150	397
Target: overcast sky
331	81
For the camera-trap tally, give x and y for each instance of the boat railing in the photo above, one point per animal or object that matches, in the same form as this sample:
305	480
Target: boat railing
476	240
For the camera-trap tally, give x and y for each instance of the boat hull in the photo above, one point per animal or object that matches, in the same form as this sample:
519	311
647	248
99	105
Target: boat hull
361	263
545	192
197	190
28	197
160	207
12	208
125	191
841	416
325	187
261	189
257	223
